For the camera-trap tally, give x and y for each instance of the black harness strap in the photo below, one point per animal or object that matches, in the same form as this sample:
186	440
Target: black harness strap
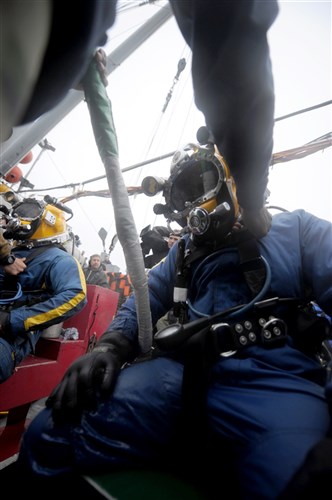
251	264
38	250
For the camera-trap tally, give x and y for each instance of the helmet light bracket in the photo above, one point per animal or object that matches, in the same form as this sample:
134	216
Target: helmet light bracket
49	218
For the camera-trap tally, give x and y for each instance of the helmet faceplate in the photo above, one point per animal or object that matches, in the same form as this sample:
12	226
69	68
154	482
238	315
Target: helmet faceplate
200	186
34	221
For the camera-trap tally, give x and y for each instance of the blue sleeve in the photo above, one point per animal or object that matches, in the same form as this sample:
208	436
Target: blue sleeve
65	283
233	83
299	251
317	259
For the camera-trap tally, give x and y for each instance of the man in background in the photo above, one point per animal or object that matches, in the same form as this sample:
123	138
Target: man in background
172	239
95	273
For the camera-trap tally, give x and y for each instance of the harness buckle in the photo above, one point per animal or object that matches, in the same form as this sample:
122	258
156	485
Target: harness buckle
224	338
324	356
273	332
231	338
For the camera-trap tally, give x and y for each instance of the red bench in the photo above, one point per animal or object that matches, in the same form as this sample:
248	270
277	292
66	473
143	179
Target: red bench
38	374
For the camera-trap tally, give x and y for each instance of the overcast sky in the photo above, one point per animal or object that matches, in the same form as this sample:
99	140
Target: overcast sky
300	43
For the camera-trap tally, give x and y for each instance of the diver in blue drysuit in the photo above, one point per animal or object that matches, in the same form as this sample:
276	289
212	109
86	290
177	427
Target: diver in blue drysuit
52	289
268	404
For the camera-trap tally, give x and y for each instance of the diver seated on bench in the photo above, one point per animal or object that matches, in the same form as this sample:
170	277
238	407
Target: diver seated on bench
50	290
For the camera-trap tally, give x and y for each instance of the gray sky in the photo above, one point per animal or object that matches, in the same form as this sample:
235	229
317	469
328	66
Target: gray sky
300	43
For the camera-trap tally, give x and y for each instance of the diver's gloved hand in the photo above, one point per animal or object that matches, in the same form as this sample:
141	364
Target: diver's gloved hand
4	323
91	375
257	221
101	63
100	60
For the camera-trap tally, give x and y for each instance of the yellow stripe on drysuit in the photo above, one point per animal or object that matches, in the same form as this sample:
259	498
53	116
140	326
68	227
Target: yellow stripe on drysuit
35	322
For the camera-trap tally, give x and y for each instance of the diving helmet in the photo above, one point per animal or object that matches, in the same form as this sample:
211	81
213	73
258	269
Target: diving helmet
37	223
200	193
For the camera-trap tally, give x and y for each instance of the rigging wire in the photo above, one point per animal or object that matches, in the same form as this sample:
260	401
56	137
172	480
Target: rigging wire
180	67
323	141
318	144
45	146
314	146
311	108
309	148
128	5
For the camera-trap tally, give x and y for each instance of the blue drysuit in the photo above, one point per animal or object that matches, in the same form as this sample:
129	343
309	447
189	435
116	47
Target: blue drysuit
54	289
267	403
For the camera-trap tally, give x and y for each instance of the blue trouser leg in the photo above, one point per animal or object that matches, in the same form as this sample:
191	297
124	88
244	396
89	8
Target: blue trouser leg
135	424
12	352
271	417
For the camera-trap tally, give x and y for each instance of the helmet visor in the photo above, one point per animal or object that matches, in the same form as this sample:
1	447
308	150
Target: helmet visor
28	210
197	182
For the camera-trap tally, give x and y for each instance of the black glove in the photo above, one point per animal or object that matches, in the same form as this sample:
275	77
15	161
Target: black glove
4	323
257	221
91	375
313	479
